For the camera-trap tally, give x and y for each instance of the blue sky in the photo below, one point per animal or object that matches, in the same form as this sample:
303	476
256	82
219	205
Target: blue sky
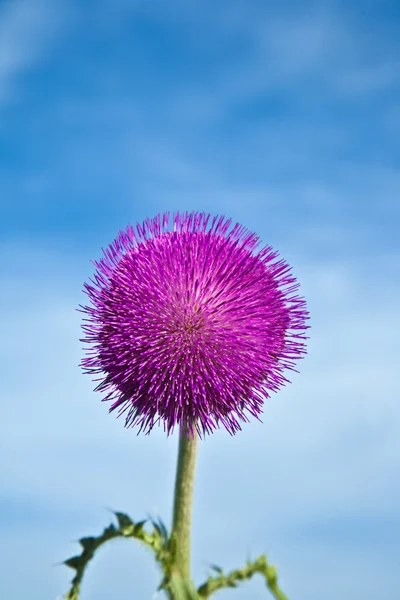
284	116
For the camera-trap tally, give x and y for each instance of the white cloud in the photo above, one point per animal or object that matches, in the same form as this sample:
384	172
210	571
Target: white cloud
27	30
320	54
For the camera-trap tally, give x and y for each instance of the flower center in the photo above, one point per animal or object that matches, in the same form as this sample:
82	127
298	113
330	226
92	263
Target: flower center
188	324
193	323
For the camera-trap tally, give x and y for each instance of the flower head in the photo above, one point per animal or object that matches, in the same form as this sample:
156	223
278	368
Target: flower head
191	325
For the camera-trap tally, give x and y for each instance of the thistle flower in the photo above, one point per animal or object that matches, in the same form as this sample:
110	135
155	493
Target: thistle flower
191	326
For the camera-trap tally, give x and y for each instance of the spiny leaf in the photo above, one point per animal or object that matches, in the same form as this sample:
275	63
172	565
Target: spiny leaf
127	529
216	568
110	532
163	528
231	580
74	562
88	543
139	527
160	528
123	520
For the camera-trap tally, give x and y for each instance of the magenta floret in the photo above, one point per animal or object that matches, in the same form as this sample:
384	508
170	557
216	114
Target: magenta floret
191	326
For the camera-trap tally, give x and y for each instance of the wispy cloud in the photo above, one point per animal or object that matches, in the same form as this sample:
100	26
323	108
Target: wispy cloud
323	53
27	30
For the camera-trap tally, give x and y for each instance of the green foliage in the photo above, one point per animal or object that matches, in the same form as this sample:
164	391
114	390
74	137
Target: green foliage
164	548
156	540
231	580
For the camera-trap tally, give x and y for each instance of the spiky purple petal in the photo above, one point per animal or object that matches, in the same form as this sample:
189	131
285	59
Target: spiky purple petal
191	326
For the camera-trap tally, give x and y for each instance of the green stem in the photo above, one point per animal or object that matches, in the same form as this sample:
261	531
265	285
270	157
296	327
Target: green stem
182	517
229	580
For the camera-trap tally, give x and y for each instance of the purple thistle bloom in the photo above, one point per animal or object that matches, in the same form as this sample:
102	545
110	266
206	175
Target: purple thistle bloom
191	326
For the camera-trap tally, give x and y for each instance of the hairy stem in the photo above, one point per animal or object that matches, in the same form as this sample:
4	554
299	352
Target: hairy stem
182	517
